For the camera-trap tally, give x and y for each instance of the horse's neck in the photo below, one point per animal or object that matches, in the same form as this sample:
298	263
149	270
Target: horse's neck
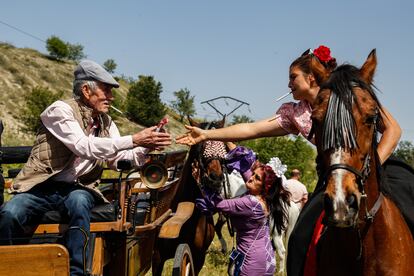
236	186
188	187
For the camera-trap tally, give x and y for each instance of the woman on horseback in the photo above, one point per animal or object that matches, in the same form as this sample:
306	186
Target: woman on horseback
305	75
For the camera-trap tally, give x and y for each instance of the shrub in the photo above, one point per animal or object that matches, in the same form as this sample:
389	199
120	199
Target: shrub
110	65
143	104
75	52
35	102
184	105
57	48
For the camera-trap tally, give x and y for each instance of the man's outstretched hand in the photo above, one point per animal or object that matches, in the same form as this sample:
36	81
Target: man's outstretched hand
151	138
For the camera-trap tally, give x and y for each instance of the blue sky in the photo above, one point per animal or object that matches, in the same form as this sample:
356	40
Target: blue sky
240	49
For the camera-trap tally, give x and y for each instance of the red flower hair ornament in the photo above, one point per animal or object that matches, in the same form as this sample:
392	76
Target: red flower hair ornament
323	53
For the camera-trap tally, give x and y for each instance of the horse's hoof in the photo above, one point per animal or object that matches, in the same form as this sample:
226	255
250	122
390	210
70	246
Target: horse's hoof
223	246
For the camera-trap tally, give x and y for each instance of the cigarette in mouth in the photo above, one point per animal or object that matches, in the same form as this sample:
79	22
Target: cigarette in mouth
283	96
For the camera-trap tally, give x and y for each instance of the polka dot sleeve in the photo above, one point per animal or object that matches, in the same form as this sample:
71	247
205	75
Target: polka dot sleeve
295	118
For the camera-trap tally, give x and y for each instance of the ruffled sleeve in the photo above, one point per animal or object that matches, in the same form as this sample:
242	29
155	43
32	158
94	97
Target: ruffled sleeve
240	159
295	118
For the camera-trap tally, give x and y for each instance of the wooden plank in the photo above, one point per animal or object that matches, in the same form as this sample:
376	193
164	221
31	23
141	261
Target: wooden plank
153	225
139	254
95	227
34	260
172	227
98	257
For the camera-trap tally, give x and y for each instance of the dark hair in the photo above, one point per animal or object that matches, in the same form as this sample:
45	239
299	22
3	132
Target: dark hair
276	196
310	64
339	129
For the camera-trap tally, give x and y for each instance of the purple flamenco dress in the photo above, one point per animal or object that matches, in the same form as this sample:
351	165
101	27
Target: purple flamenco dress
252	227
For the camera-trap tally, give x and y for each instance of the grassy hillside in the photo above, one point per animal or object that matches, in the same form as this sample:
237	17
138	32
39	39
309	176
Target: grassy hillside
22	69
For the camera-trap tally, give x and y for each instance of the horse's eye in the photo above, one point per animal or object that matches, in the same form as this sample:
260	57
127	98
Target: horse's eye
371	119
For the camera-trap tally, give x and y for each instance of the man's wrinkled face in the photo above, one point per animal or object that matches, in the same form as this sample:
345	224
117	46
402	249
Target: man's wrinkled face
99	99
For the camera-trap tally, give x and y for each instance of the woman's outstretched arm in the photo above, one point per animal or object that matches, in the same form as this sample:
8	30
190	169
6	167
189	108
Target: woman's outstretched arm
263	128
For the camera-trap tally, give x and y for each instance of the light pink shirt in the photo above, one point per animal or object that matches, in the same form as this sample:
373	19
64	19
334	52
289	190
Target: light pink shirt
295	118
297	190
59	119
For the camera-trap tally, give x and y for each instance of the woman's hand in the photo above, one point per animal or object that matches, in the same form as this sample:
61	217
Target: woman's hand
152	139
194	136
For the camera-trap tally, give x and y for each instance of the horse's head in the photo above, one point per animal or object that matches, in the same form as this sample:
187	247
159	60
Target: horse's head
345	116
209	156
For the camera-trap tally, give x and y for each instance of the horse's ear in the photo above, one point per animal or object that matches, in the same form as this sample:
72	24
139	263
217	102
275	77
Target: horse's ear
319	71
192	122
221	123
367	70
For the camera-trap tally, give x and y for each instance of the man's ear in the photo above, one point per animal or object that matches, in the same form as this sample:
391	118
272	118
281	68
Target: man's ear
86	91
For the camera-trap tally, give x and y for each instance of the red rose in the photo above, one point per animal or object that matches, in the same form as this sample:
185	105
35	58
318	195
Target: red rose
323	53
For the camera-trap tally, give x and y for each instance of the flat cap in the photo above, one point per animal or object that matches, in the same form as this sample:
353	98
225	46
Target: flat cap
90	70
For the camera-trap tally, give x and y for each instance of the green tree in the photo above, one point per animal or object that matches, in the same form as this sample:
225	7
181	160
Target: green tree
75	52
144	104
57	48
405	151
184	105
238	119
295	153
35	102
110	65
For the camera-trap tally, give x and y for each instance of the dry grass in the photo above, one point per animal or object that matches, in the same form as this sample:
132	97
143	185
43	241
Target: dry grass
22	69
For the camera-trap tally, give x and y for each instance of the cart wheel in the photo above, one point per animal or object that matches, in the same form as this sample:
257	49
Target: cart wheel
183	261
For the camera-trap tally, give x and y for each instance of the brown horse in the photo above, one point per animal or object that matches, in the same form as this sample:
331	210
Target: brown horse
366	233
198	231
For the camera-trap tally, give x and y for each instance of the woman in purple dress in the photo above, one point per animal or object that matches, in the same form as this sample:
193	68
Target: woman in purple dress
249	215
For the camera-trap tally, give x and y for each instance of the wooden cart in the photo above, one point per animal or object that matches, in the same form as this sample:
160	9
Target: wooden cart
123	232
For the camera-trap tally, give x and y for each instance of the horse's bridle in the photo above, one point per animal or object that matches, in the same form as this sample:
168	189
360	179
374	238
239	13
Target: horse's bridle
361	177
203	170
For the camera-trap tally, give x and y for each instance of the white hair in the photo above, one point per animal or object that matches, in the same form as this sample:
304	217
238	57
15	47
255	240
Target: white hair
77	87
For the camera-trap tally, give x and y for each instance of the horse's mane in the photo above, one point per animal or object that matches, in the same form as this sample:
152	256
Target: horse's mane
339	129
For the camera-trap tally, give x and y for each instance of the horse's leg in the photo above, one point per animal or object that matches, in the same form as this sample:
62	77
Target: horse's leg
218	227
203	237
293	217
281	241
280	250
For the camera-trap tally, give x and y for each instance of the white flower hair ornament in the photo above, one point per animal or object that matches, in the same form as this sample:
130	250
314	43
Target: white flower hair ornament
279	169
277	166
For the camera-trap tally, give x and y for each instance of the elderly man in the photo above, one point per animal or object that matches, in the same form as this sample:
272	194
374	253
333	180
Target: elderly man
75	139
